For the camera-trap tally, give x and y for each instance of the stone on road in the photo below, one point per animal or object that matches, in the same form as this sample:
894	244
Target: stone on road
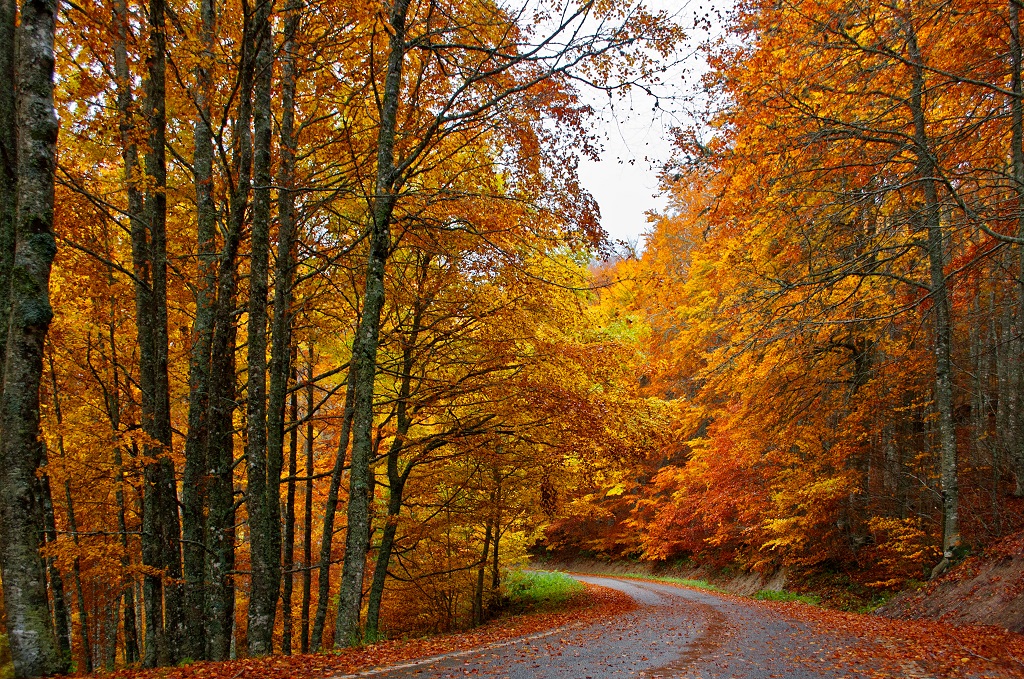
674	632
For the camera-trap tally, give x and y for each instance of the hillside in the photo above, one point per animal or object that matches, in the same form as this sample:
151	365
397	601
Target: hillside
983	590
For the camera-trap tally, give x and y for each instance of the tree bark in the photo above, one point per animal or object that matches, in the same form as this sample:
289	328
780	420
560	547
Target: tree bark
396	477
262	492
8	163
932	219
61	615
307	498
76	564
288	550
34	648
364	345
1016	397
194	489
327	533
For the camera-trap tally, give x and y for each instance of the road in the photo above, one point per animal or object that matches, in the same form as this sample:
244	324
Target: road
674	632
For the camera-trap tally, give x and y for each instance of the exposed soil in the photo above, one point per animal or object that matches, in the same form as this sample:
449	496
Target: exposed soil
983	590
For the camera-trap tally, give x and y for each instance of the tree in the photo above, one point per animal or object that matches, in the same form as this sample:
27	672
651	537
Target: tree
34	126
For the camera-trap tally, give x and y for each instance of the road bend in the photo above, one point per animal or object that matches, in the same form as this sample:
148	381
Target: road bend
673	632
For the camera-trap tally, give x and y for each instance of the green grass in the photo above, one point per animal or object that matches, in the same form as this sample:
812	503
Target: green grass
685	582
782	595
539	589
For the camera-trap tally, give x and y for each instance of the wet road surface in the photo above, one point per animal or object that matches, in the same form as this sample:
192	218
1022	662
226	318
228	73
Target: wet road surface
674	632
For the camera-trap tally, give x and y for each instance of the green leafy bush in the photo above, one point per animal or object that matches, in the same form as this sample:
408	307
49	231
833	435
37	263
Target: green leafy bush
539	589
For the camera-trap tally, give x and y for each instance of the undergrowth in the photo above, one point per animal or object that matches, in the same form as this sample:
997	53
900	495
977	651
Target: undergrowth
782	595
539	590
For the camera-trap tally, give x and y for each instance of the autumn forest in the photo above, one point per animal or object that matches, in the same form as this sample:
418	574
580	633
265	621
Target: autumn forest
312	332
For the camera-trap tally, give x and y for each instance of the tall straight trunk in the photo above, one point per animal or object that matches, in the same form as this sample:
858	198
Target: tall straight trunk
194	477
307	518
34	648
288	549
262	493
160	536
396	477
76	570
1016	398
940	311
76	564
220	442
129	159
131	640
130	163
364	345
61	615
327	532
8	163
478	594
281	333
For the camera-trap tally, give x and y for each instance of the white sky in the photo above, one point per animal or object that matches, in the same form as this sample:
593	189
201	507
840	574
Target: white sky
636	138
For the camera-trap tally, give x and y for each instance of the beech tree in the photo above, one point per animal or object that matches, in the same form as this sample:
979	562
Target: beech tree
28	144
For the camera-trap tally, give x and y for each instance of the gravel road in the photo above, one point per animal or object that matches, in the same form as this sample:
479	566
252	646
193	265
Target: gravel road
674	632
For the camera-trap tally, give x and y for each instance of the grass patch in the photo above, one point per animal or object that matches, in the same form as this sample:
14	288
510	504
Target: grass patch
539	590
685	582
782	595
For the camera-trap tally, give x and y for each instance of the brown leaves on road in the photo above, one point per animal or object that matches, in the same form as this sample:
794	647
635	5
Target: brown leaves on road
593	604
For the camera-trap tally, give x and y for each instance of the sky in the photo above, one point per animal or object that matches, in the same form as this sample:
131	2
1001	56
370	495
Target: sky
636	138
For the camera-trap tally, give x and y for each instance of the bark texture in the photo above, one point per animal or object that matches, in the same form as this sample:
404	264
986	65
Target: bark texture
34	647
364	346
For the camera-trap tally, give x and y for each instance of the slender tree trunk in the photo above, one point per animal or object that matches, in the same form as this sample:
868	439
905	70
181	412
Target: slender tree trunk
129	159
327	534
220	442
288	550
8	163
307	498
34	647
76	564
478	594
61	615
194	478
1016	398
396	478
131	640
941	313
130	162
364	345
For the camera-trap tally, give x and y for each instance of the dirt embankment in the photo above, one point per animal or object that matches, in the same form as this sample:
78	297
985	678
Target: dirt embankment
983	590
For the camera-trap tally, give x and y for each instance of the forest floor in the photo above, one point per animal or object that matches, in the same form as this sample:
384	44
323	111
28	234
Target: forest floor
677	631
595	603
620	628
987	589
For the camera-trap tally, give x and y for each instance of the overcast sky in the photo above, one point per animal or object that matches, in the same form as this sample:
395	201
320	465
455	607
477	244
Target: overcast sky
636	137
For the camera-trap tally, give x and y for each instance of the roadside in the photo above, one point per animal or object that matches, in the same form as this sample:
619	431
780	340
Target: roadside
899	647
592	604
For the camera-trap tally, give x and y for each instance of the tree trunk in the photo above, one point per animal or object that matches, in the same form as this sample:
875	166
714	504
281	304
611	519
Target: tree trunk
1016	398
941	313
34	648
61	615
262	492
327	534
288	550
396	478
161	549
8	163
364	345
76	564
307	498
478	594
194	478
